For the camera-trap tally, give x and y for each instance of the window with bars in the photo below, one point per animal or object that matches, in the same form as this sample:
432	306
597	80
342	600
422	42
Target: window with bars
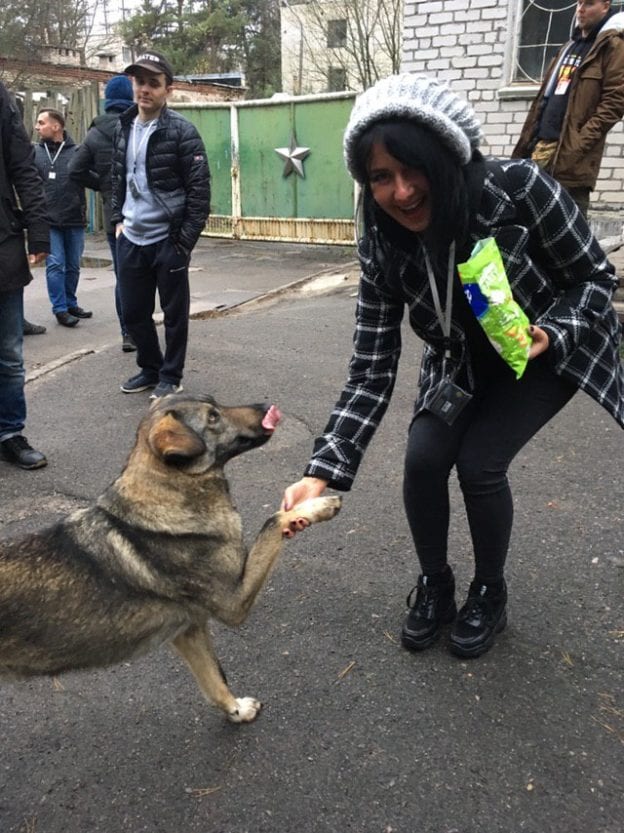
544	27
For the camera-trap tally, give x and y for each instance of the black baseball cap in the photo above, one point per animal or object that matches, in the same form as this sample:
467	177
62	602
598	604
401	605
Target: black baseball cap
152	62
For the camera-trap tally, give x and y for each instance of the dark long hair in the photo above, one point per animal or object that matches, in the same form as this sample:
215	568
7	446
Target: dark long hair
418	147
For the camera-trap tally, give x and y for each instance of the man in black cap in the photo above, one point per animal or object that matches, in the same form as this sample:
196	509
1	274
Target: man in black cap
160	203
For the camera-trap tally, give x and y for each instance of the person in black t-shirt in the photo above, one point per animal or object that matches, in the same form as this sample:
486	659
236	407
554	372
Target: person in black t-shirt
581	98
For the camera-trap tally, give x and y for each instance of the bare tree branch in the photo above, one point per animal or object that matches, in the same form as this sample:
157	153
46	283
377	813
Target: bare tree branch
371	49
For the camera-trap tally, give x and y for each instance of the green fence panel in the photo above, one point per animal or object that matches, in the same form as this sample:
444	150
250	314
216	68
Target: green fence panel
213	124
264	190
326	190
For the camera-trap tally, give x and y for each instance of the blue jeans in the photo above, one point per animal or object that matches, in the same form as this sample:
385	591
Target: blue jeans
12	400
63	266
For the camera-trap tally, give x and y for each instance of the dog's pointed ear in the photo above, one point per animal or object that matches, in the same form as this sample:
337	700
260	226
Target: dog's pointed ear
173	441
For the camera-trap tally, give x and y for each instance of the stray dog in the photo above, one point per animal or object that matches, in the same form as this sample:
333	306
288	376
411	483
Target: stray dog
157	555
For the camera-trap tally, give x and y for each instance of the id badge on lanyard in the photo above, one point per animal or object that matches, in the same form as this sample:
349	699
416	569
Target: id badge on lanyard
52	172
562	86
447	399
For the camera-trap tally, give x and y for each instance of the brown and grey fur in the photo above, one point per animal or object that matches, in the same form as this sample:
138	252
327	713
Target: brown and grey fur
157	555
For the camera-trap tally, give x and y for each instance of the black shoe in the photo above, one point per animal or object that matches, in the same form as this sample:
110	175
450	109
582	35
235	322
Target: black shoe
433	608
66	319
17	450
79	312
142	381
128	344
479	620
31	329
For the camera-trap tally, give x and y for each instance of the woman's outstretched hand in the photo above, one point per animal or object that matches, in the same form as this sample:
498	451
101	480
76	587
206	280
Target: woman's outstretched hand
304	489
540	343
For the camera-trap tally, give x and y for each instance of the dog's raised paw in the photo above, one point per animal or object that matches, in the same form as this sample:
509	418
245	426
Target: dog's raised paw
247	709
333	504
318	508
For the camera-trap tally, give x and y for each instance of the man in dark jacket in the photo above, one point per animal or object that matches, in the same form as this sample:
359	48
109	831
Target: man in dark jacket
91	168
18	176
67	210
580	100
160	203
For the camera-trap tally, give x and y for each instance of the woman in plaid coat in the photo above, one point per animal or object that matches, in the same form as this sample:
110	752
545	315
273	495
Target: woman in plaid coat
427	197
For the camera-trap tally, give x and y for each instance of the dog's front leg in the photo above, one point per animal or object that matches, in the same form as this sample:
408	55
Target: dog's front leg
262	556
195	646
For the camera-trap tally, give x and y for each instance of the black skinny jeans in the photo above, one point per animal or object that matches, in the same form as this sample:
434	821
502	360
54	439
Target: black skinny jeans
502	417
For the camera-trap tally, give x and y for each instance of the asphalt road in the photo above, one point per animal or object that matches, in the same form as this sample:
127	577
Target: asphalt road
356	734
223	274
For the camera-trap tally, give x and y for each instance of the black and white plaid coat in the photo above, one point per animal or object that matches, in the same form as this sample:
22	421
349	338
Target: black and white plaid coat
558	274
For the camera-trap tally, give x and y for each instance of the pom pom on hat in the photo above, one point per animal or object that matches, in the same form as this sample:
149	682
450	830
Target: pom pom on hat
417	98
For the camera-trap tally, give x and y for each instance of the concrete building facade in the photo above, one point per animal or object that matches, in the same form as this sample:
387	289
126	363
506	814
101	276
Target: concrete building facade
338	45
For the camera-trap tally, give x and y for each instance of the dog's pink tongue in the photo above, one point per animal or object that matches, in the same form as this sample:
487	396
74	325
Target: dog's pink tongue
271	419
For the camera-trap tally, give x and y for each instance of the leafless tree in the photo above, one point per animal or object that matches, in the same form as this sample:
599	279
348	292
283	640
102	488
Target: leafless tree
358	41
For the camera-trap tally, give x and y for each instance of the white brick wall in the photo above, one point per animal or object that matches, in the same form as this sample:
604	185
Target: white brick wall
469	43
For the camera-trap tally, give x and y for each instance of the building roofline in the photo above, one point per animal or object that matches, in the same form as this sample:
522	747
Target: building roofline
51	72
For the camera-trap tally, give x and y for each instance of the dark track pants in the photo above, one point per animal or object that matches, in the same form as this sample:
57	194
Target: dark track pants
143	271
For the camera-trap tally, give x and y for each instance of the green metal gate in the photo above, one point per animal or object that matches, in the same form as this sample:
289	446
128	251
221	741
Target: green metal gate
277	168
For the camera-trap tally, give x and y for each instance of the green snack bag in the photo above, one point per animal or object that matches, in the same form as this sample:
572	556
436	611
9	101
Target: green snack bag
488	292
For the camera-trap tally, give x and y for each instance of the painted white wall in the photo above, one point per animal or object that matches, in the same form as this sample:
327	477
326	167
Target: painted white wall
305	54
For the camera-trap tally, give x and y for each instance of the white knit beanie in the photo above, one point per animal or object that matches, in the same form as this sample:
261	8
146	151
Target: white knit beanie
421	99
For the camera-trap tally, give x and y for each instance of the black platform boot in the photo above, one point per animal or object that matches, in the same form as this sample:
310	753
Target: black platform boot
480	619
431	609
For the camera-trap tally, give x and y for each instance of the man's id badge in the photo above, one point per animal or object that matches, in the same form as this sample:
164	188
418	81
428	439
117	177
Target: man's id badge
448	401
52	175
134	188
562	86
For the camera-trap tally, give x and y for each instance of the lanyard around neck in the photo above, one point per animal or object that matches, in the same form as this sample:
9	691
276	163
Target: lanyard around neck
56	155
444	318
144	138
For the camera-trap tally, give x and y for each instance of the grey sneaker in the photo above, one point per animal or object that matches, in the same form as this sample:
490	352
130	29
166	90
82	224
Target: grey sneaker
164	389
142	381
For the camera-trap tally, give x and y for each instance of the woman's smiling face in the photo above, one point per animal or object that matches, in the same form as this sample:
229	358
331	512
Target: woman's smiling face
404	193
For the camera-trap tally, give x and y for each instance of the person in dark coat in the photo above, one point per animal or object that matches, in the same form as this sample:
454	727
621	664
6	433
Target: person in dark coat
160	204
18	180
429	198
67	210
91	168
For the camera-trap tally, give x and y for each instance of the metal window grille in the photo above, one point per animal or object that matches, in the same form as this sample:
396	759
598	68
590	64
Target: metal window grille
545	26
